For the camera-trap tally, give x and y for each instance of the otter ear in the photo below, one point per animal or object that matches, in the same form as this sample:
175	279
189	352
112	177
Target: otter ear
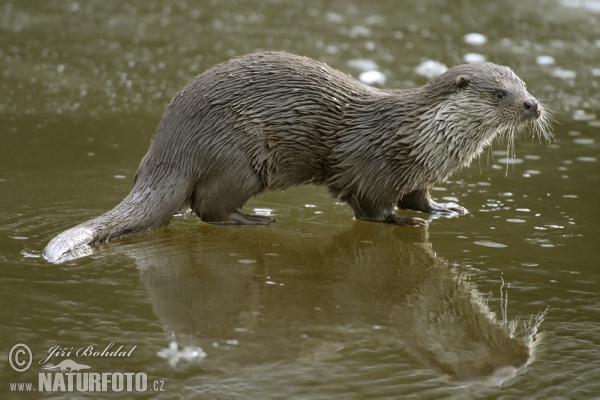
462	82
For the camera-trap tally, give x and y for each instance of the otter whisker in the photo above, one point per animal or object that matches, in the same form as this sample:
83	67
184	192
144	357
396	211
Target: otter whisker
543	126
510	148
490	152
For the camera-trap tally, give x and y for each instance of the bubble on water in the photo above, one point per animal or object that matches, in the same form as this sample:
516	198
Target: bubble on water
581	115
359	30
545	60
510	160
473	58
363	64
587	159
564	73
334	17
372	77
430	69
476	39
590	5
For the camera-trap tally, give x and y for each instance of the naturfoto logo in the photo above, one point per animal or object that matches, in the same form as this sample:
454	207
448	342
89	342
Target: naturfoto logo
71	376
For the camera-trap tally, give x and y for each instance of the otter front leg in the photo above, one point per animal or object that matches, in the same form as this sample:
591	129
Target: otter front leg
366	211
420	200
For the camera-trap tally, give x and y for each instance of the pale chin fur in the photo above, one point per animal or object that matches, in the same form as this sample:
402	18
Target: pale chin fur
464	143
462	137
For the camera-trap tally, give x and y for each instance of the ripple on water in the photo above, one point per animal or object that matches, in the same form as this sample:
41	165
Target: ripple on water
510	160
587	159
488	243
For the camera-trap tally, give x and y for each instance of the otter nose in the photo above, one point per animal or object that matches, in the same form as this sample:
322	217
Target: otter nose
531	108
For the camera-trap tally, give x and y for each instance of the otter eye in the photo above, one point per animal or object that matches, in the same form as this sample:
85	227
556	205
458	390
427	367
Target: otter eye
500	94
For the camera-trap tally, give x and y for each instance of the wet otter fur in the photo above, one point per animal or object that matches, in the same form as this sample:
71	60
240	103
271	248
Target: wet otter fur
272	120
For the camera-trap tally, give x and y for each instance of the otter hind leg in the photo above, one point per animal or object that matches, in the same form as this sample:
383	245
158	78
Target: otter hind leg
420	200
216	200
367	211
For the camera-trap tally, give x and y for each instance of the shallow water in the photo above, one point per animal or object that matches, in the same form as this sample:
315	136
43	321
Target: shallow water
317	305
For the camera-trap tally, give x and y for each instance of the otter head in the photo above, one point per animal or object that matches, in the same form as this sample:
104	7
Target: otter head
475	103
499	91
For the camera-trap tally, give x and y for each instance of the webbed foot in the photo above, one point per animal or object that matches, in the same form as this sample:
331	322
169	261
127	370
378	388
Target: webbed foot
447	208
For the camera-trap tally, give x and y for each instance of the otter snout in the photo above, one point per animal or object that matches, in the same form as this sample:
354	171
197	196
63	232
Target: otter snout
531	108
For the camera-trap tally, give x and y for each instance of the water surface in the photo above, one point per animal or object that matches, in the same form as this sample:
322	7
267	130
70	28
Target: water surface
501	302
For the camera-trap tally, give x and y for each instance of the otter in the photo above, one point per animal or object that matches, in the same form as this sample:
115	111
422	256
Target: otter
273	120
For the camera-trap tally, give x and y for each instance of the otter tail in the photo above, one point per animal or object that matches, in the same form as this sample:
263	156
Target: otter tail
146	207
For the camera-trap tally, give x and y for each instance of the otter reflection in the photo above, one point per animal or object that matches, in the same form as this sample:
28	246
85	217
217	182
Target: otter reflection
281	297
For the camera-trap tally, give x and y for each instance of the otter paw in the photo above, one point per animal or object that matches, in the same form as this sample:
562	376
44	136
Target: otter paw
448	208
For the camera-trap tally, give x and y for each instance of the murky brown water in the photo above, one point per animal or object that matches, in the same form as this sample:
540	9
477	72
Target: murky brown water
316	305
